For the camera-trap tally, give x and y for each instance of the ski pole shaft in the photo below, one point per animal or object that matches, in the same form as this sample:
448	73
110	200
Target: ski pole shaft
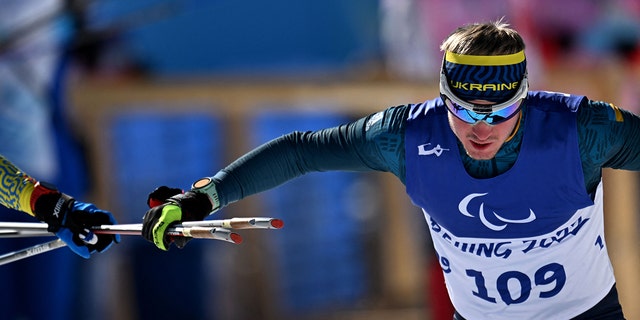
208	233
233	223
193	232
238	223
15	226
23	233
40	229
31	251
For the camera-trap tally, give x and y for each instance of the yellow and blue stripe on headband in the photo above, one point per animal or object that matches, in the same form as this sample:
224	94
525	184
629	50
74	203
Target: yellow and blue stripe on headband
493	78
500	60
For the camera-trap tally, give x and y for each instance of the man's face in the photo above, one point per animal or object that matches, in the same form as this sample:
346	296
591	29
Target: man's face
480	140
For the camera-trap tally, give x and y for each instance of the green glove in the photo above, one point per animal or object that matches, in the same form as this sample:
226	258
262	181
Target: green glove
188	206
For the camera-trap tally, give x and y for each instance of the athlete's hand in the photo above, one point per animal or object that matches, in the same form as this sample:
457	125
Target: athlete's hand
170	206
160	195
71	220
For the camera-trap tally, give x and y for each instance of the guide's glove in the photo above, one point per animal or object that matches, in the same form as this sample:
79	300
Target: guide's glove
170	206
71	220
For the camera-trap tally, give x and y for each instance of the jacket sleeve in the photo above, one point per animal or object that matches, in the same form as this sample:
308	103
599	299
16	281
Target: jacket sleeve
360	145
609	137
16	187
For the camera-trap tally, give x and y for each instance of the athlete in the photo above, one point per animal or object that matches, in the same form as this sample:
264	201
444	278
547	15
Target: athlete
509	180
68	218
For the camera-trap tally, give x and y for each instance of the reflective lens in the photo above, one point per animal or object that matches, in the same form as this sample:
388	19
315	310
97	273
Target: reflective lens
491	113
472	117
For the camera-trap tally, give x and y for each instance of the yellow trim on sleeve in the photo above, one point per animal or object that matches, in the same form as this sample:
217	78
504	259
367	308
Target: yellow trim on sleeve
16	187
25	198
617	112
499	60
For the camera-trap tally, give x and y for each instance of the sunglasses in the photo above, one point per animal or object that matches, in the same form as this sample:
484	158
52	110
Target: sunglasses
491	114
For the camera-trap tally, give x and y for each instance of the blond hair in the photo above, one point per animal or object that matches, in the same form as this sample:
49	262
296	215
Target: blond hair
484	39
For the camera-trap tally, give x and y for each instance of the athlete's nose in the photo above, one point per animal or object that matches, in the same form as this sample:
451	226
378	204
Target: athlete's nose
481	130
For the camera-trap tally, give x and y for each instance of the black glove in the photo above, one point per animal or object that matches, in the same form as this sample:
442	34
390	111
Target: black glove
188	206
160	195
72	220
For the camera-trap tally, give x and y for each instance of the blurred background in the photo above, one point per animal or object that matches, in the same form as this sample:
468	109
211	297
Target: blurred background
110	99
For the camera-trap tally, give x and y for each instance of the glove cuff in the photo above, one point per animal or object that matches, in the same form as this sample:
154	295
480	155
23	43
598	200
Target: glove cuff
195	206
50	205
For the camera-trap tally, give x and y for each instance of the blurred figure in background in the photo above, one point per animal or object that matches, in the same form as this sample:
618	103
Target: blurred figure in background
37	137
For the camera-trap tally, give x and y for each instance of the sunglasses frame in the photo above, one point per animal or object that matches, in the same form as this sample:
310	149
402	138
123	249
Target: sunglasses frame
481	112
473	117
481	108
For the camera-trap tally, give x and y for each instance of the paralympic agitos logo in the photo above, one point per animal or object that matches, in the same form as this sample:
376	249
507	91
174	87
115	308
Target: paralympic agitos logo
501	223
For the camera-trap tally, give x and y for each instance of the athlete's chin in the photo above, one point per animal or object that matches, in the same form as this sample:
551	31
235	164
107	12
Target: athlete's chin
482	154
481	151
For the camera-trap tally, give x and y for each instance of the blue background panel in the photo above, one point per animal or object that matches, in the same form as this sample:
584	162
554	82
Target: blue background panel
150	149
320	256
254	37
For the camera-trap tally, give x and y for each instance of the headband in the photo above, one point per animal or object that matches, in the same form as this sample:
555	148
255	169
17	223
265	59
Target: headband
493	78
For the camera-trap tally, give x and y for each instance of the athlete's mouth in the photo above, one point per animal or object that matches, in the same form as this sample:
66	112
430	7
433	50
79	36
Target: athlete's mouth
480	145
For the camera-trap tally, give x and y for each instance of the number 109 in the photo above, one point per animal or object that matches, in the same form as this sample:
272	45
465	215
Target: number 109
552	275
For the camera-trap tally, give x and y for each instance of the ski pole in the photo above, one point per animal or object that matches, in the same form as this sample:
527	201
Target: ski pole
31	251
16	230
233	223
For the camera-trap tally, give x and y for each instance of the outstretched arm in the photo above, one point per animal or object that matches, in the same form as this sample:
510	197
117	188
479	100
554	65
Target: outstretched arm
69	219
16	187
286	158
374	142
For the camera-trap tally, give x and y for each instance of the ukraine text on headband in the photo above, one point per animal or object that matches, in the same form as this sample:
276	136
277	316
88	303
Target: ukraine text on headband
495	78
